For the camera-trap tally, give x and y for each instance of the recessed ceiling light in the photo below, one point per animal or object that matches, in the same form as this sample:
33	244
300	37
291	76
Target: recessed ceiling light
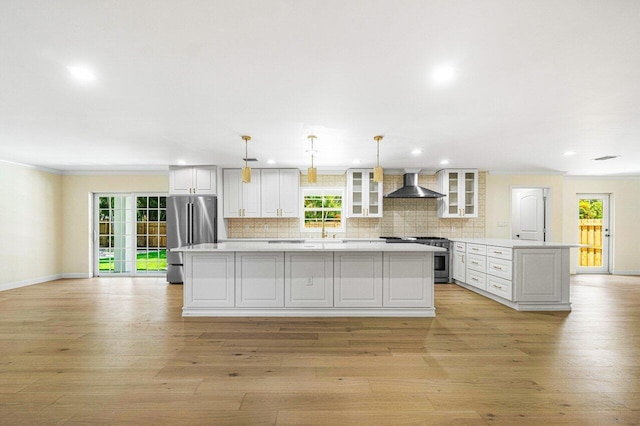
271	161
181	162
444	162
569	153
82	73
356	161
443	74
416	151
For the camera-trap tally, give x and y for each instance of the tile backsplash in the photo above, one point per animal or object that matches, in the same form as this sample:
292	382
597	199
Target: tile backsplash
401	217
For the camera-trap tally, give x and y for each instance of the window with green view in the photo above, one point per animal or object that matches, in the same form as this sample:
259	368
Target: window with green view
322	205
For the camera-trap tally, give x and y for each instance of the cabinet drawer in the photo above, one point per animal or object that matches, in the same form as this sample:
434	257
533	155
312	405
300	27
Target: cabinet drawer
476	249
500	287
499	267
460	247
500	252
477	263
477	279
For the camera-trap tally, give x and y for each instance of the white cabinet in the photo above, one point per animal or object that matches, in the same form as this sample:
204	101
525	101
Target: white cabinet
241	199
308	280
459	267
364	196
461	189
407	280
280	192
358	280
192	180
259	280
212	280
539	275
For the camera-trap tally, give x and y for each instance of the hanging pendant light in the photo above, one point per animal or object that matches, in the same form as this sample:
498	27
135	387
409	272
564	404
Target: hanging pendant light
312	173
378	174
246	170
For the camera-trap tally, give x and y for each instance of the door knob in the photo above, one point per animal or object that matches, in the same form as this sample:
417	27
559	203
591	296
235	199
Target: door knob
518	235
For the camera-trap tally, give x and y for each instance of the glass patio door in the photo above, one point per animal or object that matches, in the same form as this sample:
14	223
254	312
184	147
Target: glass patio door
130	234
594	232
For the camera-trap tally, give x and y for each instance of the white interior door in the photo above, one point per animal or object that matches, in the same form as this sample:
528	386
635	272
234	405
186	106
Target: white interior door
528	214
594	232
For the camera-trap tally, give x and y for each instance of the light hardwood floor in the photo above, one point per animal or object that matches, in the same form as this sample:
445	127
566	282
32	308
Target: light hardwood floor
116	350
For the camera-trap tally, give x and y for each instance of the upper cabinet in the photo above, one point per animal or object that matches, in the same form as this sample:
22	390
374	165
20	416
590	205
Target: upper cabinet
280	189
192	180
364	196
461	189
241	199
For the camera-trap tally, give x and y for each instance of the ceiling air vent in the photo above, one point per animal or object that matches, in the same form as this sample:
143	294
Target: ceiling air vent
606	157
249	159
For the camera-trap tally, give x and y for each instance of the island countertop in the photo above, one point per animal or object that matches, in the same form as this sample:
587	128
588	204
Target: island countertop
264	246
515	244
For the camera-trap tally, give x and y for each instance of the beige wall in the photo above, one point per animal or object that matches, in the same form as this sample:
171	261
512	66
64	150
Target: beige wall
498	202
76	208
625	205
401	217
30	225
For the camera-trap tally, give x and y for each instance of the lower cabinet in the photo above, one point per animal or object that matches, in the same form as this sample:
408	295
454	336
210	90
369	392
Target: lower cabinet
308	280
259	280
213	281
407	280
357	280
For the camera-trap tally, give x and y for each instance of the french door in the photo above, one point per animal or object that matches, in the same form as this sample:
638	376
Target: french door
594	232
130	234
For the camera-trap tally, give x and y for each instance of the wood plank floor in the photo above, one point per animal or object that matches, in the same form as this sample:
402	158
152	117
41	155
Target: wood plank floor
116	350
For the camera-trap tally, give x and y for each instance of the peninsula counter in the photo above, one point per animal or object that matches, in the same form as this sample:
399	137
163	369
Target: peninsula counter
308	279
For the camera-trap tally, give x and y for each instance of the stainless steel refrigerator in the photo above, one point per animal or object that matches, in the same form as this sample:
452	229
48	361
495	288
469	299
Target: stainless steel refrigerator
190	220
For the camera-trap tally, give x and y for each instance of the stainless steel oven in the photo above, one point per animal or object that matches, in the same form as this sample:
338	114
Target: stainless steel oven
440	258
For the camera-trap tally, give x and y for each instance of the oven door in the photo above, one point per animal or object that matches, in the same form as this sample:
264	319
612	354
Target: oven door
441	267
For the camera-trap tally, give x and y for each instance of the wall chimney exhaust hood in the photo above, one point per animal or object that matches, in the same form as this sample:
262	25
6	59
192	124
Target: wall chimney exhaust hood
410	189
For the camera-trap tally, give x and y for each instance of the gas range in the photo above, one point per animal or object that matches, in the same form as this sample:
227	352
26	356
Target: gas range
431	241
440	258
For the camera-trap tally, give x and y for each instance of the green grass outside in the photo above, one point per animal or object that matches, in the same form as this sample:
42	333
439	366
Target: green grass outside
152	261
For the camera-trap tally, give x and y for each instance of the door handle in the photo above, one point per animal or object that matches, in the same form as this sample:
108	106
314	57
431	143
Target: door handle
518	235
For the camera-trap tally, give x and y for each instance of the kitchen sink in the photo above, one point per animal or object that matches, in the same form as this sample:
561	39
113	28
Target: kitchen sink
286	241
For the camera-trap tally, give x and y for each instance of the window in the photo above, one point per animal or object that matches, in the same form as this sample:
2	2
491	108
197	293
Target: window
322	205
131	234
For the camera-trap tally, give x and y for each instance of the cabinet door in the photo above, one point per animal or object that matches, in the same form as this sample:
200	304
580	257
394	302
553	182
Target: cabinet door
538	275
308	280
232	193
251	200
408	280
180	180
204	180
459	266
211	281
374	197
289	193
259	280
356	193
270	189
461	190
357	280
469	192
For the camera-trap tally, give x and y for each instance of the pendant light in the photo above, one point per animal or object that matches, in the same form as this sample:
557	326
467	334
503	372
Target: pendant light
246	170
378	174
312	173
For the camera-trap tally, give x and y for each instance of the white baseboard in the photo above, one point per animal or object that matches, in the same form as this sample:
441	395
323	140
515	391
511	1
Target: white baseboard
626	272
24	283
70	275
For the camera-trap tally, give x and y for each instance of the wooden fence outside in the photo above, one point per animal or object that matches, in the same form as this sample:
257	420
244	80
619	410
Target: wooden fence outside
591	234
149	234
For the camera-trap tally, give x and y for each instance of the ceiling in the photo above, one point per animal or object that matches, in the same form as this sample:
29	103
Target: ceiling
183	80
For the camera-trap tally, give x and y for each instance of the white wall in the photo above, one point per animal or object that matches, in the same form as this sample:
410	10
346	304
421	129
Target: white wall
77	197
625	205
30	225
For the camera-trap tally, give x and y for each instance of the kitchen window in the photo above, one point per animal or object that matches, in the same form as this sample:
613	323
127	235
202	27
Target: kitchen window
322	205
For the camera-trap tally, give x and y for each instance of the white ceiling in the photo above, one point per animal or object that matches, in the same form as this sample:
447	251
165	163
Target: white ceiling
183	80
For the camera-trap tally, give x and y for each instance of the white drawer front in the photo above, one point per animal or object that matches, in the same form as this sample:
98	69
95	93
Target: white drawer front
499	267
460	247
476	249
477	263
477	279
500	287
500	252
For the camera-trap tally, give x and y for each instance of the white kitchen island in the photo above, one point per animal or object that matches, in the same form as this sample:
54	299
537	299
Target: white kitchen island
524	275
308	279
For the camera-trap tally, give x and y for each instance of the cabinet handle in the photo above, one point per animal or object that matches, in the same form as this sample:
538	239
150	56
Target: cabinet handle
474	279
463	258
473	262
497	267
497	252
496	286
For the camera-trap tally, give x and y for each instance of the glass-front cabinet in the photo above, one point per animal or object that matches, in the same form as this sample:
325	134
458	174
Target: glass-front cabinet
364	196
461	189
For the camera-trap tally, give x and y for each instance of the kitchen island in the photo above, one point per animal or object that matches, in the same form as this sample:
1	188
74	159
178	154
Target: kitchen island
308	279
524	275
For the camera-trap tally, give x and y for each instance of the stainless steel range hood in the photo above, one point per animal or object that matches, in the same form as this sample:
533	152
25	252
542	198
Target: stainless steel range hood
410	189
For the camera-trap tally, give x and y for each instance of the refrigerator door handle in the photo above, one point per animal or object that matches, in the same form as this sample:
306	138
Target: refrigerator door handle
191	233
188	224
